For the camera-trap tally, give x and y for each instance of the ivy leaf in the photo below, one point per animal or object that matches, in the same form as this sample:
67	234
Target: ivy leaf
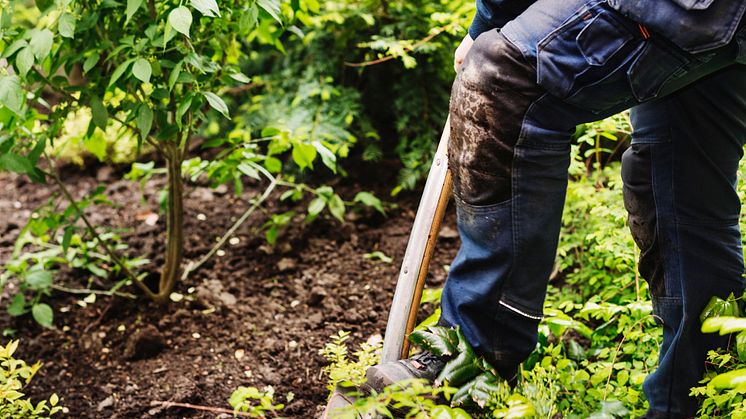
180	19
43	315
463	368
99	114
719	307
304	155
66	25
39	279
217	103
441	341
11	93
41	43
132	7
208	8
142	70
272	7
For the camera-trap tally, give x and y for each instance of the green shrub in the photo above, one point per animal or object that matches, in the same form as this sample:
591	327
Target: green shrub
15	374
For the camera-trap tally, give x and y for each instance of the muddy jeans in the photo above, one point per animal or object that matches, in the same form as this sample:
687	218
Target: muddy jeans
514	107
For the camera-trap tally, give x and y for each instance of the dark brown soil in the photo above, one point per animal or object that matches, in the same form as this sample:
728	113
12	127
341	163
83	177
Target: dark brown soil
277	305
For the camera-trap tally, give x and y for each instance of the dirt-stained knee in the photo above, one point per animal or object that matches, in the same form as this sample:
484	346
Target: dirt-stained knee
492	93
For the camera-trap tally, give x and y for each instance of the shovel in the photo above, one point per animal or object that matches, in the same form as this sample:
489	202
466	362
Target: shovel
414	266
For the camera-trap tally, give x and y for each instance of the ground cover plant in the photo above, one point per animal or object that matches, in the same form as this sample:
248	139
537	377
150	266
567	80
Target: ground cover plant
253	168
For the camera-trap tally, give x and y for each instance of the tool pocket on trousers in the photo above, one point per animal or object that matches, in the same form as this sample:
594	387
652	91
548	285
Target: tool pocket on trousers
656	65
587	54
694	4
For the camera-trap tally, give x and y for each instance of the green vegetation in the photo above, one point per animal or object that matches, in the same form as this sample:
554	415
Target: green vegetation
277	100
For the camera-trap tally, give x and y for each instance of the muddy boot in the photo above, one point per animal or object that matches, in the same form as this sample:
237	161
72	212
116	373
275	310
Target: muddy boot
424	365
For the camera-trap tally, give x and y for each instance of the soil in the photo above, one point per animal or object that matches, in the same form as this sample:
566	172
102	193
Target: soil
254	316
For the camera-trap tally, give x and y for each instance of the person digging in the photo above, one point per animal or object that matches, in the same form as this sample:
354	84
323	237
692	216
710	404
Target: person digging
528	73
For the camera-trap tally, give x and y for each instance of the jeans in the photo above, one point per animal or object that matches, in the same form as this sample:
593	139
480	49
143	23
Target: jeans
514	108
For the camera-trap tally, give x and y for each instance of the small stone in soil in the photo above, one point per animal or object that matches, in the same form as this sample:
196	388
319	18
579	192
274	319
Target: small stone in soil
316	296
107	402
286	264
144	343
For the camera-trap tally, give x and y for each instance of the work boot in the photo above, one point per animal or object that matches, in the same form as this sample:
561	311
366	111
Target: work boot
424	365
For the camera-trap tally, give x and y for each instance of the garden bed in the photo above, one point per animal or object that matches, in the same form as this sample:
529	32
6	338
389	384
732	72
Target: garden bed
253	316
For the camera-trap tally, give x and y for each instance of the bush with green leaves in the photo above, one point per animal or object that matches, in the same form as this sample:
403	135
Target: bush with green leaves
15	374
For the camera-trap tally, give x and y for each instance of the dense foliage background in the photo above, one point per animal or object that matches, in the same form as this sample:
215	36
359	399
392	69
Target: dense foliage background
279	102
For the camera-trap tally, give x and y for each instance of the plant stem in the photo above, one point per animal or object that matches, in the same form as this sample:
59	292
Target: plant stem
193	266
203	408
174	226
87	291
111	252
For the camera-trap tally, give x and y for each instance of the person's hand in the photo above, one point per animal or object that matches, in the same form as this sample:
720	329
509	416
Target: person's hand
461	52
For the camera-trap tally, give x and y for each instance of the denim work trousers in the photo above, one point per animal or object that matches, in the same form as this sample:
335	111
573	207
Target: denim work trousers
515	104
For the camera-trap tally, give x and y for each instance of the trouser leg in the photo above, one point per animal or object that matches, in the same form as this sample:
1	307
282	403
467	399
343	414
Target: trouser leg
514	107
680	177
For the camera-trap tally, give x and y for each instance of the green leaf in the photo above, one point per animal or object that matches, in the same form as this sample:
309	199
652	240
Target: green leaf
274	165
119	71
207	7
43	314
67	238
217	103
96	146
304	155
441	341
16	163
132	7
24	61
180	19
731	379
272	7
144	120
11	93
91	62
174	76
741	346
39	279
316	206
463	368
337	208
142	70
370	200
43	5
41	43
718	307
725	324
182	109
66	25
99	114
240	77
17	305
327	157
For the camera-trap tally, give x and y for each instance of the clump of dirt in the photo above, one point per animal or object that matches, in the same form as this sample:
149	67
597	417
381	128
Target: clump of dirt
254	315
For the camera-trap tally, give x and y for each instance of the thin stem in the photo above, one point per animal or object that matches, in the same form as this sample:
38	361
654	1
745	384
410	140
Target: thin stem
111	252
89	291
422	42
193	266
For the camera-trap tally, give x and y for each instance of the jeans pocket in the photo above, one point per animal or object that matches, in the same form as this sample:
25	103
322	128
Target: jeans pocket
592	49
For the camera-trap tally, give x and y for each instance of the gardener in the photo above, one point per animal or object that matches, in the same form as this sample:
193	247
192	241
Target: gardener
537	69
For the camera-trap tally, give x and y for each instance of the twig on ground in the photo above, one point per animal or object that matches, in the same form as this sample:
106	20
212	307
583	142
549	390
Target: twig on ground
197	407
193	266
